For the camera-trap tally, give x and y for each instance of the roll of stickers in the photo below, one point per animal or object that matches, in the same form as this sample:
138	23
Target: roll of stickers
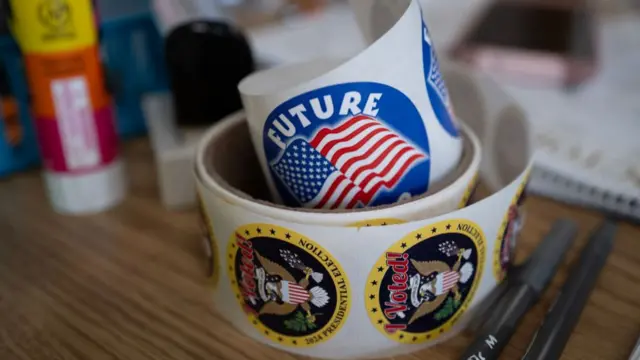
380	123
361	283
368	282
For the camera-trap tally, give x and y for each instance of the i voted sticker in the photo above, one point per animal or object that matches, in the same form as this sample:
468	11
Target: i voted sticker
347	146
436	87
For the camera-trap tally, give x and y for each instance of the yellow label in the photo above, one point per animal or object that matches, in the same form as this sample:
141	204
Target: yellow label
46	26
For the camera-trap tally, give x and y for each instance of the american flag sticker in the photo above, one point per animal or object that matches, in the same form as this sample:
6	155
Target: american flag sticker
347	146
345	166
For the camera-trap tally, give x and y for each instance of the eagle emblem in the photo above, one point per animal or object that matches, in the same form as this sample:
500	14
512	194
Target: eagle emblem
280	291
291	289
422	285
435	280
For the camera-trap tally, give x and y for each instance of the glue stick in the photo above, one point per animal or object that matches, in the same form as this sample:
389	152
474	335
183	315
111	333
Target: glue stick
70	104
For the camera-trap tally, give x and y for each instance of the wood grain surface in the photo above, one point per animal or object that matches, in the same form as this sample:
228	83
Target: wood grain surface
130	283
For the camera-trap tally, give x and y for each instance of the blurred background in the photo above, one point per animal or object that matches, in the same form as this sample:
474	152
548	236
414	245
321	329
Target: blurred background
172	66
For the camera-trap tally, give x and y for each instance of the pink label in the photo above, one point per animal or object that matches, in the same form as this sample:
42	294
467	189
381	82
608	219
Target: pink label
80	139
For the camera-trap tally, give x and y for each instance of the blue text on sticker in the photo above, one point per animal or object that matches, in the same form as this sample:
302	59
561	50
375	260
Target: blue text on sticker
436	87
346	146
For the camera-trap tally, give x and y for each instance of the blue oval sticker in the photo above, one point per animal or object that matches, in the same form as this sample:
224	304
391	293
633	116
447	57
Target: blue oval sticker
436	88
347	146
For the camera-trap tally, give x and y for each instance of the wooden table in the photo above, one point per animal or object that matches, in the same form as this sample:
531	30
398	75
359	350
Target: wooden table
129	283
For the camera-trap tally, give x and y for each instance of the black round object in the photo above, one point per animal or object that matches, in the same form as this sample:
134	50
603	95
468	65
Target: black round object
206	60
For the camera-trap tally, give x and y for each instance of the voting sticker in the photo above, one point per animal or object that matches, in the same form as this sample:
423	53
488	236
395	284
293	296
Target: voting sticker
420	286
436	87
347	146
290	288
513	222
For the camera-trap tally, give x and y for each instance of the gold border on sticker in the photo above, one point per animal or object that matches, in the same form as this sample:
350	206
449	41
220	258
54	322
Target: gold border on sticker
468	193
292	310
393	308
498	272
377	222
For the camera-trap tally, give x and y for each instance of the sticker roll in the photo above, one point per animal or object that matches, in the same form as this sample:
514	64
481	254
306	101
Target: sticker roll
383	119
370	282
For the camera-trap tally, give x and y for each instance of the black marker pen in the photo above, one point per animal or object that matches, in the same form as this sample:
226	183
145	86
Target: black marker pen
532	279
550	340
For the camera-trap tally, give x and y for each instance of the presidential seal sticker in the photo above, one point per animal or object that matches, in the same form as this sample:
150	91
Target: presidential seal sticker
209	244
347	146
512	223
291	289
420	286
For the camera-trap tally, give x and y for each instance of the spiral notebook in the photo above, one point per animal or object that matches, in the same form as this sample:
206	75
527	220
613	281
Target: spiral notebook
587	140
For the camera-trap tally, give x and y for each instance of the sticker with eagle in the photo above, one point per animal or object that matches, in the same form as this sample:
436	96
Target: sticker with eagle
209	244
420	286
504	249
292	290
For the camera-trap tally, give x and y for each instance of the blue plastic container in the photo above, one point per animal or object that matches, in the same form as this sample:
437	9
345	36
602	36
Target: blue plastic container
133	56
25	153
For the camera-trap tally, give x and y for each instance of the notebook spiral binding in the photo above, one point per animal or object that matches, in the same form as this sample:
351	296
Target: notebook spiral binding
549	183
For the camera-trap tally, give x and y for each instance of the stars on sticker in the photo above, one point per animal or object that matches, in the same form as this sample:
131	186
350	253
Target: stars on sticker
448	226
287	235
273	232
380	321
401	336
434	230
259	231
372	297
380	269
374	310
374	283
418	236
246	232
280	338
414	338
403	245
294	342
